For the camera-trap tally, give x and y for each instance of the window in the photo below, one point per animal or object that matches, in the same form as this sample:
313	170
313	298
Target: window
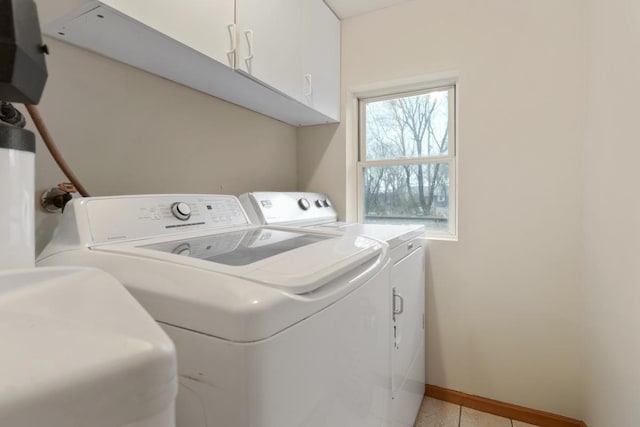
407	160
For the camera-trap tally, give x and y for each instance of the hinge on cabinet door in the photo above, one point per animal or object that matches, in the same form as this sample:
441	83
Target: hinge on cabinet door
395	338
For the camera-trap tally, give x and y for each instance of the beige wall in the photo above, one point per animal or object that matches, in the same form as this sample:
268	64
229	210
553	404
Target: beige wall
125	131
612	215
505	302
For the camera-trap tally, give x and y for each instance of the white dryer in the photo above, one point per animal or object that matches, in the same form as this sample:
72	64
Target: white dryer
407	251
273	327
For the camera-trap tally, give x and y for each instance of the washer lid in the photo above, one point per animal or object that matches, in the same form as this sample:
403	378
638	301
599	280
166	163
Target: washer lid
239	248
77	349
297	261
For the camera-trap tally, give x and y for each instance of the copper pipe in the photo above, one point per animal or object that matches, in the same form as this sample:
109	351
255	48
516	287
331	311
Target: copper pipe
53	149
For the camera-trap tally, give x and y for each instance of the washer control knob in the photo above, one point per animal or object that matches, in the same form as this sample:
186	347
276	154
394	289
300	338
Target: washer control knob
181	210
184	249
319	203
326	203
304	204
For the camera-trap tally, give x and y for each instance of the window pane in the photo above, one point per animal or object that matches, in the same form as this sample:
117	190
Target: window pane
408	194
411	126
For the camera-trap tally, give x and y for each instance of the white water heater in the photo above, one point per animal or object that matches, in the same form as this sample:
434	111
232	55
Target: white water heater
22	78
17	222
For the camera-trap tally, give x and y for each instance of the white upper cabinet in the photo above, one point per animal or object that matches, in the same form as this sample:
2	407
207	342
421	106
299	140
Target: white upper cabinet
294	47
269	43
280	58
321	58
204	25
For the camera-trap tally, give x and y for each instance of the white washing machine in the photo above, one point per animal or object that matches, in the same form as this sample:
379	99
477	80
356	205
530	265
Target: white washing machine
273	327
407	250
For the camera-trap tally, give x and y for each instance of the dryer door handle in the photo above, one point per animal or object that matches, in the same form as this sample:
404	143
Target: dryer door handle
397	310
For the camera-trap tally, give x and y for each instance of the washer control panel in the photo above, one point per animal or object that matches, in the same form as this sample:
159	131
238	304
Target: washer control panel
112	219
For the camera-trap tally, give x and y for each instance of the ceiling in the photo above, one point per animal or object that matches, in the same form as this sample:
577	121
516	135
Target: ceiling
348	8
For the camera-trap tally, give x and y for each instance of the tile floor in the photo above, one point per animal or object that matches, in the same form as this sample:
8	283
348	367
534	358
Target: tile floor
436	413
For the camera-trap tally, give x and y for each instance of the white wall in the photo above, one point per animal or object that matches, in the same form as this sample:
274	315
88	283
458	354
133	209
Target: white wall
125	131
612	215
505	302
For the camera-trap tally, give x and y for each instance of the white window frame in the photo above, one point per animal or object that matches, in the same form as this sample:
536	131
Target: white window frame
451	158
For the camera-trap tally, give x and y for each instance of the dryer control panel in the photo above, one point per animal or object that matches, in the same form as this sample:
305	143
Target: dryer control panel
112	219
289	208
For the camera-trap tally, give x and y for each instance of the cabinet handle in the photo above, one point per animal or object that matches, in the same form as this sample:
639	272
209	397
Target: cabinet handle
248	34
397	311
232	38
309	85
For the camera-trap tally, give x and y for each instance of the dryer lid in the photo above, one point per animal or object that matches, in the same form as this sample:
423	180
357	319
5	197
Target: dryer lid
393	234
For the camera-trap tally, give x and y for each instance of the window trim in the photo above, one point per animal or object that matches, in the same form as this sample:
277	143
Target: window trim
392	92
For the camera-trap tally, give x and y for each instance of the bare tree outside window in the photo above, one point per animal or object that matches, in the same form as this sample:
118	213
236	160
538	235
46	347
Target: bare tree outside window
407	149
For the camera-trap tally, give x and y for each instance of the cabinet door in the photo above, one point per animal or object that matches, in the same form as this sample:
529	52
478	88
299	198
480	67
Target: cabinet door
407	281
269	43
321	58
204	25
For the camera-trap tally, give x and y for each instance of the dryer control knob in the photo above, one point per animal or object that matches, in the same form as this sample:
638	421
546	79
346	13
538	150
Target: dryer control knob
326	203
304	204
181	210
319	203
